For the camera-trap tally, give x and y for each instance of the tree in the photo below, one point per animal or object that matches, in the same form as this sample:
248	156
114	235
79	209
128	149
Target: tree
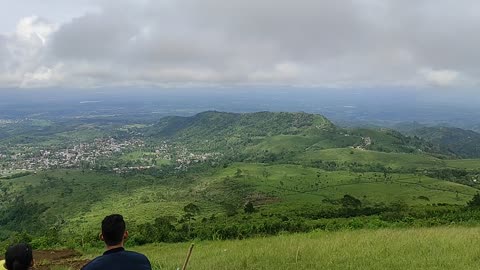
163	229
475	202
230	209
191	208
249	208
348	201
190	211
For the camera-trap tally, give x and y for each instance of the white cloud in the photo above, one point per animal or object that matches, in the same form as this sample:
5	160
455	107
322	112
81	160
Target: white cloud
441	78
34	28
23	53
43	77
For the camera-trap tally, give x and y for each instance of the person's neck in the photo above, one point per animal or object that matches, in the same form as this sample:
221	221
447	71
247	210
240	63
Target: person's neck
114	246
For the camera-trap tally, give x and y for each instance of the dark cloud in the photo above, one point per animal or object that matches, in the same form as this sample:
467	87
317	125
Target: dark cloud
92	37
331	43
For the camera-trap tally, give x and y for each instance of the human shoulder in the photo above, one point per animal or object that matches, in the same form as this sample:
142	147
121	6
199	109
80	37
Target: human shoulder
96	263
91	265
136	255
119	260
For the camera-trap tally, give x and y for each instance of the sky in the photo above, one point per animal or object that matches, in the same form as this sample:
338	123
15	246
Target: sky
303	43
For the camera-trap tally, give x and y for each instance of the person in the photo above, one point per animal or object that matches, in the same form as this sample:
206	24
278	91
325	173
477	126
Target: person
18	257
114	234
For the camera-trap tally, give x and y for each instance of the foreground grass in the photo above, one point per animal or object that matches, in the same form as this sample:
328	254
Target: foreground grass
425	248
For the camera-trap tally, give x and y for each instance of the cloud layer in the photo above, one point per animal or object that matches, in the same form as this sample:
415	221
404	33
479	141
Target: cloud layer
366	43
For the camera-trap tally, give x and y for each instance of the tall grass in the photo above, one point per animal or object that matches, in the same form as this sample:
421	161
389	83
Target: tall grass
425	248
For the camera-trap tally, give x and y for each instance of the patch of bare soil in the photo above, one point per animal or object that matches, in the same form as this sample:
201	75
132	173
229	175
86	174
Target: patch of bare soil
258	198
58	259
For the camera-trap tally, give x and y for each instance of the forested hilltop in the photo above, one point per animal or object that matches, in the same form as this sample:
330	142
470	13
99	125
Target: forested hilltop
287	131
455	141
218	175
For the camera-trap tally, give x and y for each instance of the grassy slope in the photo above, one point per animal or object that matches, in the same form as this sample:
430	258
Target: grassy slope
469	164
298	143
425	248
394	160
293	185
83	199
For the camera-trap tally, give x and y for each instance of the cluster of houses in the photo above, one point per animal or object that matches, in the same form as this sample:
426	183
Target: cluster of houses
7	121
86	155
185	158
32	159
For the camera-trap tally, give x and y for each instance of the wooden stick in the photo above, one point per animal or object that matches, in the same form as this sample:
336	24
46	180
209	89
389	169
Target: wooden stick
188	257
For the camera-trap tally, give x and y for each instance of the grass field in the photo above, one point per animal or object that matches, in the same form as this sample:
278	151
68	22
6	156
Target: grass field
425	248
469	164
84	198
276	144
296	143
293	184
393	160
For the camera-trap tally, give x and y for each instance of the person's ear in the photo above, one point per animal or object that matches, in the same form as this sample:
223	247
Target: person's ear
125	235
101	237
32	264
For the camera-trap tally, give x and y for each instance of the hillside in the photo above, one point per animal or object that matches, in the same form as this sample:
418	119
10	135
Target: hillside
281	132
72	203
232	128
459	142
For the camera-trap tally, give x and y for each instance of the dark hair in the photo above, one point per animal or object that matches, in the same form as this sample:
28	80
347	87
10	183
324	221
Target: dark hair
19	257
113	229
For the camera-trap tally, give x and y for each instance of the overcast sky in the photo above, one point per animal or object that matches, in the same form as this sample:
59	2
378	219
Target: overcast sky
344	44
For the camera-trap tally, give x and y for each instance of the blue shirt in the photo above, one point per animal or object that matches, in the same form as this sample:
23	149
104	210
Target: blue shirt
119	259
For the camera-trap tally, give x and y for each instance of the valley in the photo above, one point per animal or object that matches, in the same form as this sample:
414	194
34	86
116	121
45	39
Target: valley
221	176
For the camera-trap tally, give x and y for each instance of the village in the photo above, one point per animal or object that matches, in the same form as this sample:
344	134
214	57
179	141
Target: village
7	121
92	155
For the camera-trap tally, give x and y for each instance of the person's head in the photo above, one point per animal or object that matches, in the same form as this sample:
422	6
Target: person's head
113	230
19	257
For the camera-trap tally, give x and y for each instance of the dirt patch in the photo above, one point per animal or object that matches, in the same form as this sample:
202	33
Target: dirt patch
58	259
71	265
53	255
258	198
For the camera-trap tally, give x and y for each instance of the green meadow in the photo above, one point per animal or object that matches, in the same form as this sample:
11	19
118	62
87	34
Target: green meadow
469	164
79	199
392	160
294	183
415	248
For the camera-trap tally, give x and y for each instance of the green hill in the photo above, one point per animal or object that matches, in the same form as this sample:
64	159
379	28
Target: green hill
259	133
211	128
459	142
